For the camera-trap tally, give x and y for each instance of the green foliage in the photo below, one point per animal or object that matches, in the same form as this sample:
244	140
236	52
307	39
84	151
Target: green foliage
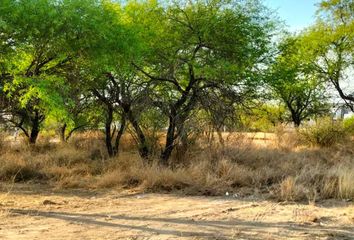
47	38
348	124
205	55
264	118
294	81
331	43
325	133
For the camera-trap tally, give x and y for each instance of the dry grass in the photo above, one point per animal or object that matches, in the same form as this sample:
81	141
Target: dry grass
281	171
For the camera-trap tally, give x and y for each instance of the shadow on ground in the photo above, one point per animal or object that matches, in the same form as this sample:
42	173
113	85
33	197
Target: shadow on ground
221	229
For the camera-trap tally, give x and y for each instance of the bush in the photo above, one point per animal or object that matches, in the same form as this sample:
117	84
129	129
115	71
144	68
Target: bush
325	133
349	125
17	169
345	176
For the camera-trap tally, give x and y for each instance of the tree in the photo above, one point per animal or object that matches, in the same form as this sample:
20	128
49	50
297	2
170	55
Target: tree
202	46
331	41
294	82
121	93
78	103
263	116
114	83
6	51
39	47
48	35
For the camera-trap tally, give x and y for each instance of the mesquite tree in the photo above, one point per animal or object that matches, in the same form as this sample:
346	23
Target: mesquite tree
331	41
294	81
46	35
122	94
200	46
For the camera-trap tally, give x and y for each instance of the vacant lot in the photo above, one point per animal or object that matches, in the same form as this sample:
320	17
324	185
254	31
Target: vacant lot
36	212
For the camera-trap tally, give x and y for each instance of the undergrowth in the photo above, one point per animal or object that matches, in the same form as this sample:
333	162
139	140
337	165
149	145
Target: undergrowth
280	169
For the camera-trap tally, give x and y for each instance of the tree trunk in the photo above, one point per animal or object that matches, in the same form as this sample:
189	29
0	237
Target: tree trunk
108	124
221	139
295	115
120	134
64	136
35	130
183	144
143	145
62	133
169	145
297	121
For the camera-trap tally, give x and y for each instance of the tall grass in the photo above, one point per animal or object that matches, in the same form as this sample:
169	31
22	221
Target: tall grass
241	166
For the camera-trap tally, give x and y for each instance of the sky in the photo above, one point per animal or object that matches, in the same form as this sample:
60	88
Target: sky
297	14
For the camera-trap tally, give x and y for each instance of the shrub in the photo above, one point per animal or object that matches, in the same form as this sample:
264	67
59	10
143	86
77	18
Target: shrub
289	189
325	133
17	169
285	139
349	125
346	182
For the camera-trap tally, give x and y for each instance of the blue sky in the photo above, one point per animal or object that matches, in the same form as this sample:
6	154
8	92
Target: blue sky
296	13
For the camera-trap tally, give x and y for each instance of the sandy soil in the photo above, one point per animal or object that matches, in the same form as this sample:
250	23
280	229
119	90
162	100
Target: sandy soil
37	212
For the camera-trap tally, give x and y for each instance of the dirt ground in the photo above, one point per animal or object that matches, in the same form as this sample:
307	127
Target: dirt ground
37	212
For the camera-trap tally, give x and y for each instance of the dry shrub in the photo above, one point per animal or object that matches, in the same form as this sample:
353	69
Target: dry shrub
75	181
160	178
319	181
286	139
201	177
288	189
68	163
325	133
123	171
5	142
44	144
330	186
130	171
293	189
90	141
344	178
68	156
59	162
19	168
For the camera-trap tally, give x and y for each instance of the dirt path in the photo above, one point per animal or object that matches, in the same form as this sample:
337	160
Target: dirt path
29	213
